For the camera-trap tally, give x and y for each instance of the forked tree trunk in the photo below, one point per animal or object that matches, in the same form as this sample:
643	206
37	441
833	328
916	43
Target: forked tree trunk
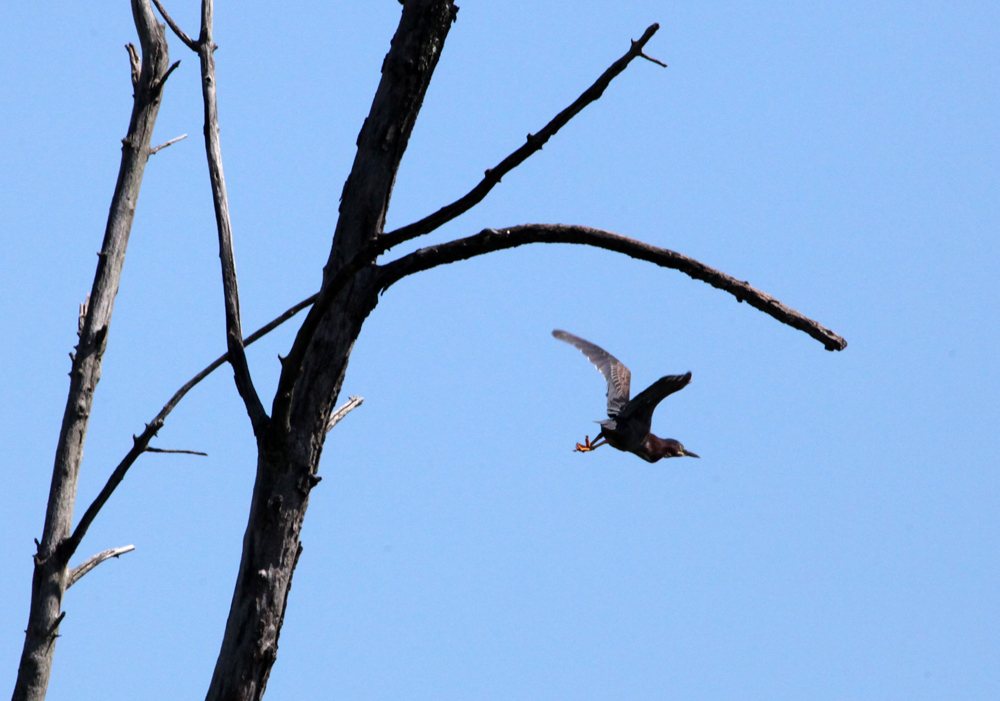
290	440
289	451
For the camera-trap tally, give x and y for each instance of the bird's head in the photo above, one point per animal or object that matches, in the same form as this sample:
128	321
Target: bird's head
657	448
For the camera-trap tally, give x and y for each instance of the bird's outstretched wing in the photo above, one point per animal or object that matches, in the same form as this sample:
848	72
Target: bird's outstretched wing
642	407
614	371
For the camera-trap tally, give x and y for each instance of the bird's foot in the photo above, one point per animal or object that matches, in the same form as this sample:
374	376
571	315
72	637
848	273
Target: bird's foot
584	447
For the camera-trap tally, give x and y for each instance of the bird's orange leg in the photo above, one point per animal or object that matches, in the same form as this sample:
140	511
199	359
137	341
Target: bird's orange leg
587	446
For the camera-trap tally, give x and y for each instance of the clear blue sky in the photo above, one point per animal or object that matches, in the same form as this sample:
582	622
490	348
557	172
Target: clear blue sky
838	539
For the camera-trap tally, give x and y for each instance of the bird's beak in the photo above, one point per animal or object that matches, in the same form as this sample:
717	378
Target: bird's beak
690	454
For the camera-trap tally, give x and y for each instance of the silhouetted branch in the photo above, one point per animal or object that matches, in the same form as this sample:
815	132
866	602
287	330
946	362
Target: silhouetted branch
534	143
140	444
490	240
176	451
213	149
205	48
94	561
158	85
383	138
657	61
366	254
191	44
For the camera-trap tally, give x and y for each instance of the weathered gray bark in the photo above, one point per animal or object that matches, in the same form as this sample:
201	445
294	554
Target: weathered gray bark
213	150
312	374
205	48
290	441
50	578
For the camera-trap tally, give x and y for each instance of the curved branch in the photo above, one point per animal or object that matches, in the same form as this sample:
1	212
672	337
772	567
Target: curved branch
533	145
338	416
90	563
489	240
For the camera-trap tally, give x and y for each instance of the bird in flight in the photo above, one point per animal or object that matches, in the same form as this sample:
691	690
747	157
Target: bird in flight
627	427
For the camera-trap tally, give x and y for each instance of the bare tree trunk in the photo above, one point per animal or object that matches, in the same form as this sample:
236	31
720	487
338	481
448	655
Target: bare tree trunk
290	441
286	473
312	374
50	578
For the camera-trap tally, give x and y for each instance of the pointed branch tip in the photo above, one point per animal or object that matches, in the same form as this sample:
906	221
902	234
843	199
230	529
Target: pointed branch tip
654	60
180	452
90	563
349	406
168	143
533	144
191	44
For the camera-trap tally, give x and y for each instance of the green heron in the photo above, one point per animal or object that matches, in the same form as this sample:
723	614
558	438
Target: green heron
627	427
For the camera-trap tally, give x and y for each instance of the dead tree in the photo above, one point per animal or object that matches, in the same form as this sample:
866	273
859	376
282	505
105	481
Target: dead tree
51	575
290	438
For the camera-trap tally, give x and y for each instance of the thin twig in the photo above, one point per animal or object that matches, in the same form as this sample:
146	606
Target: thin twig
162	81
191	44
179	452
489	240
140	444
349	406
534	143
657	61
93	561
168	143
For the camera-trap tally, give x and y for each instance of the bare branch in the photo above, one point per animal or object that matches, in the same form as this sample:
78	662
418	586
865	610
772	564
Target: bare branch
213	150
51	632
168	143
94	561
191	44
657	61
276	322
334	285
140	444
489	240
349	406
179	452
158	85
322	301
48	580
406	73
534	143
